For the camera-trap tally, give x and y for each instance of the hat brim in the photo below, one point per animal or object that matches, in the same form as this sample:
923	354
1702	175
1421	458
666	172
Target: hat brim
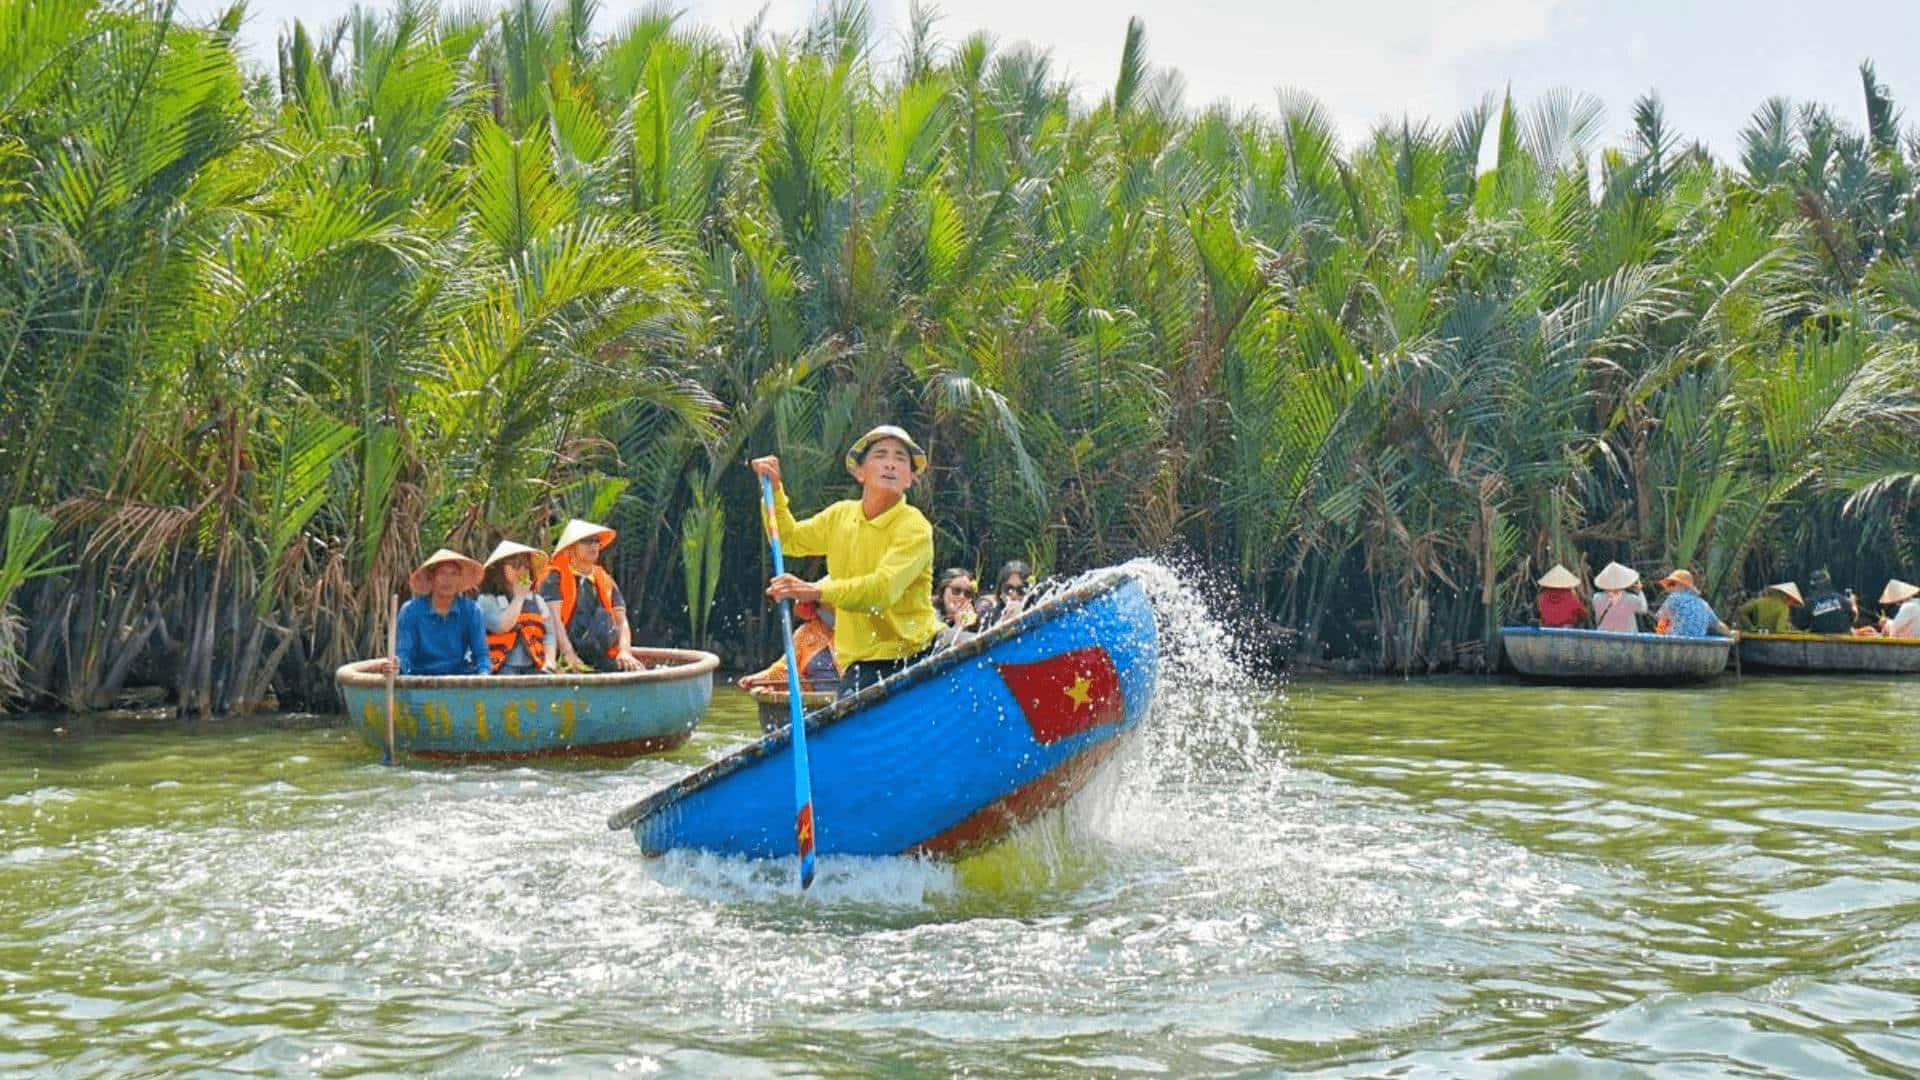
421	580
578	530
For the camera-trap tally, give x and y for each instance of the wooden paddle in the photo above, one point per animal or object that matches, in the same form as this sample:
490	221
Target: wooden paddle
393	666
802	776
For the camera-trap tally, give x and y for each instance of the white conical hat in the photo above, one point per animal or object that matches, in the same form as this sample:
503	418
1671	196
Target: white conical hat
1559	578
1791	591
1615	576
578	530
422	577
1898	592
507	549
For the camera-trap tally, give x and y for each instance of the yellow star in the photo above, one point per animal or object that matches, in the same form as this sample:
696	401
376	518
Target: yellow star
1081	692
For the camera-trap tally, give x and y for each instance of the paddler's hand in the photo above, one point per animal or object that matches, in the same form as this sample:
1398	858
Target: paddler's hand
626	661
385	666
788	587
768	467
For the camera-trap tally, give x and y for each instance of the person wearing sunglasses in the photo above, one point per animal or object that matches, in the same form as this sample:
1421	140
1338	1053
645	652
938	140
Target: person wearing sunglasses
953	597
1009	593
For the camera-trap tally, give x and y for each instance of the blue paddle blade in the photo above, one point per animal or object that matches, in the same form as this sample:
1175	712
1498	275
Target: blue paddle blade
802	776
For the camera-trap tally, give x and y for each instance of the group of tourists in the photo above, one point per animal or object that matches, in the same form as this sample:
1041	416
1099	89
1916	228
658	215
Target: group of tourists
1619	605
1780	609
518	613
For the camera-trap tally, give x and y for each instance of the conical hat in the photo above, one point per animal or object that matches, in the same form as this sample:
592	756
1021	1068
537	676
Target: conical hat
578	530
1789	590
1680	578
1898	592
1559	578
1615	576
507	549
422	577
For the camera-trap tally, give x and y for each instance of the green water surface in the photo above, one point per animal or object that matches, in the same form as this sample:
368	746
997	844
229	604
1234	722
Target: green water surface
1360	878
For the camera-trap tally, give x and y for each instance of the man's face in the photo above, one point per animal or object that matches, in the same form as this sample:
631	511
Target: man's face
888	466
446	578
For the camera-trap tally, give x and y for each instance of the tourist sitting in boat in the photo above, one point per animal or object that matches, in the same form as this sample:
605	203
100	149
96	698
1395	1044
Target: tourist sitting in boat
1905	622
523	635
1771	612
1009	597
1560	607
1620	602
440	631
1684	612
1827	611
953	596
812	645
879	553
593	614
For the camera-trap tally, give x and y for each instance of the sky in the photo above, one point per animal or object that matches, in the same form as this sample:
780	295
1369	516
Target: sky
1713	62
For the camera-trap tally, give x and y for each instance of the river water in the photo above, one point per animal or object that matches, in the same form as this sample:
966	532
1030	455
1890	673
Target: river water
1350	878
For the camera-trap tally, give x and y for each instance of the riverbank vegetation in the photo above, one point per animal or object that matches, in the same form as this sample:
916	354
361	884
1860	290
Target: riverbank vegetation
439	276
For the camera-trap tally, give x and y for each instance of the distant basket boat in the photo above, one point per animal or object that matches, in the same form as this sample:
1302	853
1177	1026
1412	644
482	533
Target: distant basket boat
943	758
776	710
508	717
1836	653
1596	655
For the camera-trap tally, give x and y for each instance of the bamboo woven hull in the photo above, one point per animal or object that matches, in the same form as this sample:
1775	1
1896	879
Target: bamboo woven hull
618	714
1836	653
941	759
1599	655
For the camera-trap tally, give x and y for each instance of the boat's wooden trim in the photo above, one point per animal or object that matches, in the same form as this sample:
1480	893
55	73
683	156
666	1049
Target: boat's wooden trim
774	742
664	665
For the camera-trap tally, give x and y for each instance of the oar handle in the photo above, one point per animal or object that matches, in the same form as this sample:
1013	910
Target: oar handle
802	773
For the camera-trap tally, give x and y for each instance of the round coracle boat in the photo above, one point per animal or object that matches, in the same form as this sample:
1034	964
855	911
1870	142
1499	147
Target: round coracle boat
943	758
776	708
1816	654
1602	655
511	717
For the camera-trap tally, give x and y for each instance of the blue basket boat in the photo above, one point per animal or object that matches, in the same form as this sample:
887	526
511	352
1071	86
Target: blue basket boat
1564	655
945	757
511	717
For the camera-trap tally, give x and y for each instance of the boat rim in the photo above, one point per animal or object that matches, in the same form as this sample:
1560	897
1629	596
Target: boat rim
680	664
1099	584
1830	639
1714	641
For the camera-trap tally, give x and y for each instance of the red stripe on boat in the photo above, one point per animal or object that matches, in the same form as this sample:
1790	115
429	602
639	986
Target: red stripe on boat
991	823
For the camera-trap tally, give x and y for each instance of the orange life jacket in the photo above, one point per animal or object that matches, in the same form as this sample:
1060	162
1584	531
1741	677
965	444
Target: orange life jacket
570	592
530	627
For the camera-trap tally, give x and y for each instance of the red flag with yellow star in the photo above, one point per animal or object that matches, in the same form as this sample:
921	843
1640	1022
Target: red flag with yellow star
1067	694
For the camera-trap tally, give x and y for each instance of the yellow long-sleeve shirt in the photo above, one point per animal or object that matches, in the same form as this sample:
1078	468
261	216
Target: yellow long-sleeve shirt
880	576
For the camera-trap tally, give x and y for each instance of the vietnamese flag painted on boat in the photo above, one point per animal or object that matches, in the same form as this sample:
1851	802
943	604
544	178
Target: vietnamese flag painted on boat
1067	694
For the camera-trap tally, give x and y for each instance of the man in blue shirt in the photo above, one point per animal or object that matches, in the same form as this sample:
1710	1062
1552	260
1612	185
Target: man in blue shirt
1685	613
442	632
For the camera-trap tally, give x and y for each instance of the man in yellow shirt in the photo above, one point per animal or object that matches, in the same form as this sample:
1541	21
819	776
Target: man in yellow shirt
879	555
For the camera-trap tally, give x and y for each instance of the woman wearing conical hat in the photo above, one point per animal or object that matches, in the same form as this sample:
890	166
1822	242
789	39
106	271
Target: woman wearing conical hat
1771	612
524	636
1619	603
440	631
1905	622
1560	606
592	613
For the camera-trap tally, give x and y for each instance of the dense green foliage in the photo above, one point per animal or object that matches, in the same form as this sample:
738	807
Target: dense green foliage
441	278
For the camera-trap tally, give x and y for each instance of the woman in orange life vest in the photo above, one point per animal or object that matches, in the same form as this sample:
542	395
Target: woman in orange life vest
523	636
593	614
812	646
